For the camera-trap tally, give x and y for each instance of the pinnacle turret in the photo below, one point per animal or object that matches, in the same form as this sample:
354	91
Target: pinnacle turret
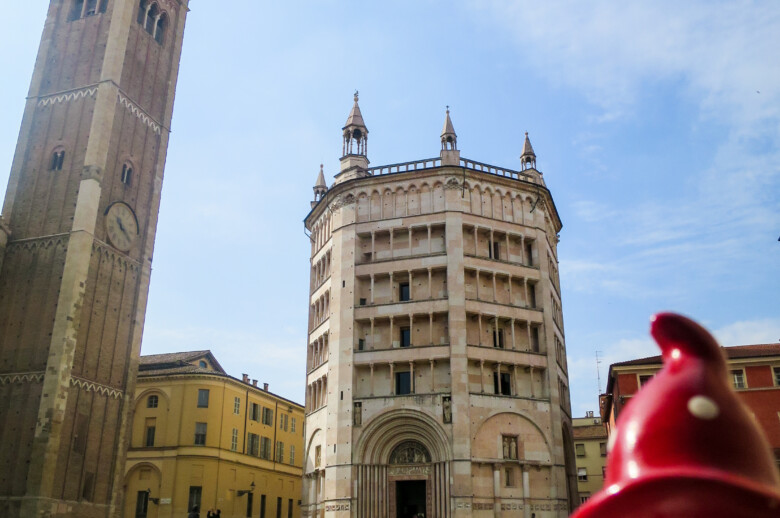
320	187
449	139
528	158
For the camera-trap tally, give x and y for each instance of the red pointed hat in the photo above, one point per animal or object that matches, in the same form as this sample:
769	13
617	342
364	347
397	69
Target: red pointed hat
686	446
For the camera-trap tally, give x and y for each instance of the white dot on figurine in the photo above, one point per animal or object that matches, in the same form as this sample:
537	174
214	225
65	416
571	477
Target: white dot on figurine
703	407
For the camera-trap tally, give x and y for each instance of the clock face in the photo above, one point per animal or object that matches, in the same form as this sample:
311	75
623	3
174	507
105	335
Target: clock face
121	226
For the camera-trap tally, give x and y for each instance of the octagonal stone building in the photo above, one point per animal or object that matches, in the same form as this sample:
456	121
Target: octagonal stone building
436	367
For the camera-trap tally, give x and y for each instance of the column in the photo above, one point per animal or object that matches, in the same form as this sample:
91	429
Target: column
392	291
371	366
430	279
429	232
392	251
526	493
433	380
411	377
511	295
516	384
482	376
392	379
512	322
391	331
410	241
410	284
507	246
430	328
498	378
490	250
411	329
479	320
522	249
528	330
372	288
372	333
532	381
497	489
477	283
495	295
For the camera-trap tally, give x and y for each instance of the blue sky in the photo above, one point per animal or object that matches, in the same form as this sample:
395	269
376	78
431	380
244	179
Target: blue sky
656	124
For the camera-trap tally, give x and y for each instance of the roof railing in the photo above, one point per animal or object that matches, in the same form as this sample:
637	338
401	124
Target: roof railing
532	175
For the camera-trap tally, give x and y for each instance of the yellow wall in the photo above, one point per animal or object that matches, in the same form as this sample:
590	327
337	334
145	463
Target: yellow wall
175	463
593	461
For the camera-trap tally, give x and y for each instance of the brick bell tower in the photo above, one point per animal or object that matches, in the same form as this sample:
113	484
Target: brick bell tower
76	239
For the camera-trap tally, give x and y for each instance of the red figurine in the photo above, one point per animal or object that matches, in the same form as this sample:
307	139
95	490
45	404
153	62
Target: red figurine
686	446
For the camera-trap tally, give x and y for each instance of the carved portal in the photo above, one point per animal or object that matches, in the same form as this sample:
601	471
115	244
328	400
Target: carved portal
410	452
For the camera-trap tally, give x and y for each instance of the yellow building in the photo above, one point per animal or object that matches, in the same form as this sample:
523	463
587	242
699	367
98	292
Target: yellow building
202	437
590	448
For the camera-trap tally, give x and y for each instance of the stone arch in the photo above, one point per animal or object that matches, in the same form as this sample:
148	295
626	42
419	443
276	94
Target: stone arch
388	207
362	207
134	484
438	197
149	392
426	202
533	443
309	460
476	200
385	432
413	200
376	205
487	202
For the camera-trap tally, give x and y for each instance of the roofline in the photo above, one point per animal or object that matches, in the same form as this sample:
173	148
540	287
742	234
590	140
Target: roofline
342	185
216	374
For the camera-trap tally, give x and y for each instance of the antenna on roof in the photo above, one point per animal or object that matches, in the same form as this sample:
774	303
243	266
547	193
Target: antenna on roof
598	370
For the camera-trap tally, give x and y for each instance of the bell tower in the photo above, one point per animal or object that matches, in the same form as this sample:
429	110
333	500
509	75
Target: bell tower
76	240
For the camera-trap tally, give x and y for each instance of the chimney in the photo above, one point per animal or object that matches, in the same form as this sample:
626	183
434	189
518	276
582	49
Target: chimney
254	383
265	387
245	378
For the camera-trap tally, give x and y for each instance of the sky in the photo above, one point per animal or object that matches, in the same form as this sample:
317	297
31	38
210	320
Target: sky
656	125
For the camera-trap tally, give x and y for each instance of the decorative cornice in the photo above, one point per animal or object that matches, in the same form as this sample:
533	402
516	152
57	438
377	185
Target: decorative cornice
140	113
21	377
73	95
33	243
93	386
111	253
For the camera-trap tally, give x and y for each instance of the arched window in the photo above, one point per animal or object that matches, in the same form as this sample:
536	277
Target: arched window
127	174
57	159
202	364
78	8
85	8
152	402
151	18
103	6
159	32
142	8
91	9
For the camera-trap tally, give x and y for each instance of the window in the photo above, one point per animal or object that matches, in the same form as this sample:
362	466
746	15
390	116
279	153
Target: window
250	500
403	291
738	378
91	9
268	416
280	451
603	449
237	405
82	9
141	504
502	384
579	449
531	295
582	474
152	401
361	344
644	378
203	365
509	478
278	507
362	302
265	448
498	338
151	15
603	472
292	455
88	490
127	174
57	160
254	411
151	428
234	440
283	419
495	251
403	383
529	254
584	497
200	434
292	424
195	493
776	372
262	506
289	508
152	20
535	339
406	337
253	444
159	32
203	398
317	456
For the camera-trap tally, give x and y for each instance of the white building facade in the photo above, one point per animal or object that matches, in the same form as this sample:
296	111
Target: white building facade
436	367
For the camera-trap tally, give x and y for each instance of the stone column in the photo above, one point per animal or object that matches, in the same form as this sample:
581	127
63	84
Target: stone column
430	282
371	387
391	331
495	295
372	288
411	250
411	329
392	379
512	323
482	376
412	384
392	291
526	493
497	490
373	346
433	380
430	327
429	237
479	320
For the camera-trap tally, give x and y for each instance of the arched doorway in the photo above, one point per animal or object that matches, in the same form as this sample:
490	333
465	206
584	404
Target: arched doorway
404	467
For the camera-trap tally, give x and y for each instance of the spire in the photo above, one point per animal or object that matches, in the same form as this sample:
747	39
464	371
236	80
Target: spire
528	158
320	187
449	140
355	132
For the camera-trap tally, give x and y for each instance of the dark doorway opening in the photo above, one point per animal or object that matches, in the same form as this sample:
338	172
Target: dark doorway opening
410	499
